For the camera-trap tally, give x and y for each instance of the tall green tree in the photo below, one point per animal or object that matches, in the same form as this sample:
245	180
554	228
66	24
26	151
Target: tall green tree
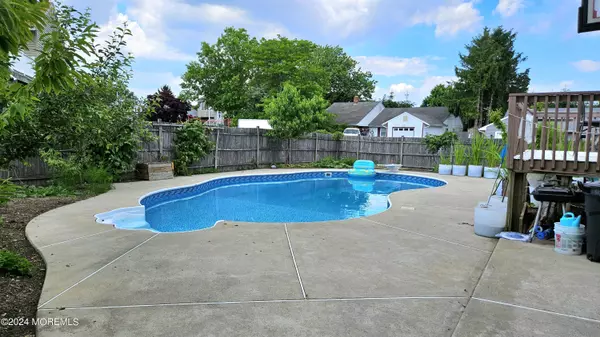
345	79
98	120
238	73
291	115
222	74
69	36
490	70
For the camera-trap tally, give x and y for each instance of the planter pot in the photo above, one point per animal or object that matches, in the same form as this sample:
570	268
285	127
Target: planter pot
475	171
490	220
459	170
445	169
490	172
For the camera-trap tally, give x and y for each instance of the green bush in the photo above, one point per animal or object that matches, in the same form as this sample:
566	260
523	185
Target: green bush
13	263
327	162
74	176
440	142
191	145
337	135
8	190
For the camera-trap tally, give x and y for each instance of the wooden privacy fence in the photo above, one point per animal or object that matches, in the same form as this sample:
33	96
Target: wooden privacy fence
251	148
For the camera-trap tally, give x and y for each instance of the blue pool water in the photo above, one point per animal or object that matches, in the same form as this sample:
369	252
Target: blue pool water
301	197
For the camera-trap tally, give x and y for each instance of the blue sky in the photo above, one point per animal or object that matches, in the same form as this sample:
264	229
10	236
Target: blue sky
410	46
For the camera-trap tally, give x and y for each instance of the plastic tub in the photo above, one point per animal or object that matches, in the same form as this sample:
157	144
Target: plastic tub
475	171
489	220
490	172
568	240
459	170
445	169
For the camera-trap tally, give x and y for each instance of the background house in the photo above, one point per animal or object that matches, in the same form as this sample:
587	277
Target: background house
414	122
491	131
356	114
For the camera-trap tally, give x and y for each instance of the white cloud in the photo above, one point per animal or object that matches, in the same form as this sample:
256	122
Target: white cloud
141	44
587	65
450	19
552	87
346	16
415	93
146	83
149	22
394	66
508	8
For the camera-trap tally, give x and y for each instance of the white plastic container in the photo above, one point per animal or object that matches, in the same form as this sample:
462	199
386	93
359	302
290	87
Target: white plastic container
445	169
475	171
568	240
459	170
490	172
489	220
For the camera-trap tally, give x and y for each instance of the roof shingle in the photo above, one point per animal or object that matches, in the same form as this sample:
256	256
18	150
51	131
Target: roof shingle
434	116
351	113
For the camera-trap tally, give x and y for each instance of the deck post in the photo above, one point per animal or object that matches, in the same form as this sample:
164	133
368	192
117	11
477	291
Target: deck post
517	195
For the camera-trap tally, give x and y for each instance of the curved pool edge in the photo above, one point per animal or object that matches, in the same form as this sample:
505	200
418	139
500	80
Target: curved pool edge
441	183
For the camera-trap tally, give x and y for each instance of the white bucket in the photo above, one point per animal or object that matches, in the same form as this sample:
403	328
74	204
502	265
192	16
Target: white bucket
475	171
489	220
568	240
459	170
490	172
445	169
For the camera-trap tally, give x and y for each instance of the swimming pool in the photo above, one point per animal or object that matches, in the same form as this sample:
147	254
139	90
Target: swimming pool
294	197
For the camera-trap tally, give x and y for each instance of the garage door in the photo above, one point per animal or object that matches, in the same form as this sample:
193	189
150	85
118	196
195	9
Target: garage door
403	132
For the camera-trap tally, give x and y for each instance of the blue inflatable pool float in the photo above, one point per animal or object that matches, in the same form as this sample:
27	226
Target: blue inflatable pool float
362	169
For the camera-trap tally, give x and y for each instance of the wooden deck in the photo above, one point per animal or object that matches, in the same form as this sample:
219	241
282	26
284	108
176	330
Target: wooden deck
565	143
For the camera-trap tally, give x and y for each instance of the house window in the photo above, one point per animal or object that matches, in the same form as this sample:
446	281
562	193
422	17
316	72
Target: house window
404	129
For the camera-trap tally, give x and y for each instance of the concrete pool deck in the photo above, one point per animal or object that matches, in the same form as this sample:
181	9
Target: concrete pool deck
414	270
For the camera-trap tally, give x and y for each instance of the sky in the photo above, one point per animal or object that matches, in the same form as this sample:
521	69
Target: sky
409	46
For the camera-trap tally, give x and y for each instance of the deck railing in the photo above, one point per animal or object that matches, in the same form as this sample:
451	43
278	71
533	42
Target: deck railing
554	132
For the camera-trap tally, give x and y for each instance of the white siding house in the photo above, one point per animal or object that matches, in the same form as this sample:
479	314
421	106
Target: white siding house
414	122
491	131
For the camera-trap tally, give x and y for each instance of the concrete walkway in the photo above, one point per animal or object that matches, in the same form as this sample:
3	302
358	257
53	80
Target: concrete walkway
414	270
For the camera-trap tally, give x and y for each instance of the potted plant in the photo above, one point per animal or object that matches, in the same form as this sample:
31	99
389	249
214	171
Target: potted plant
492	159
476	158
445	167
460	160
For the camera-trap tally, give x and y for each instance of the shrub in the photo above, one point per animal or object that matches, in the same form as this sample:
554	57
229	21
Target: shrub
337	135
8	190
443	141
191	145
13	263
73	176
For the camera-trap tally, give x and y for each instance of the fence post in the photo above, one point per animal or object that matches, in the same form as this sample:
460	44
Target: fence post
401	150
217	151
257	147
316	145
358	148
160	142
